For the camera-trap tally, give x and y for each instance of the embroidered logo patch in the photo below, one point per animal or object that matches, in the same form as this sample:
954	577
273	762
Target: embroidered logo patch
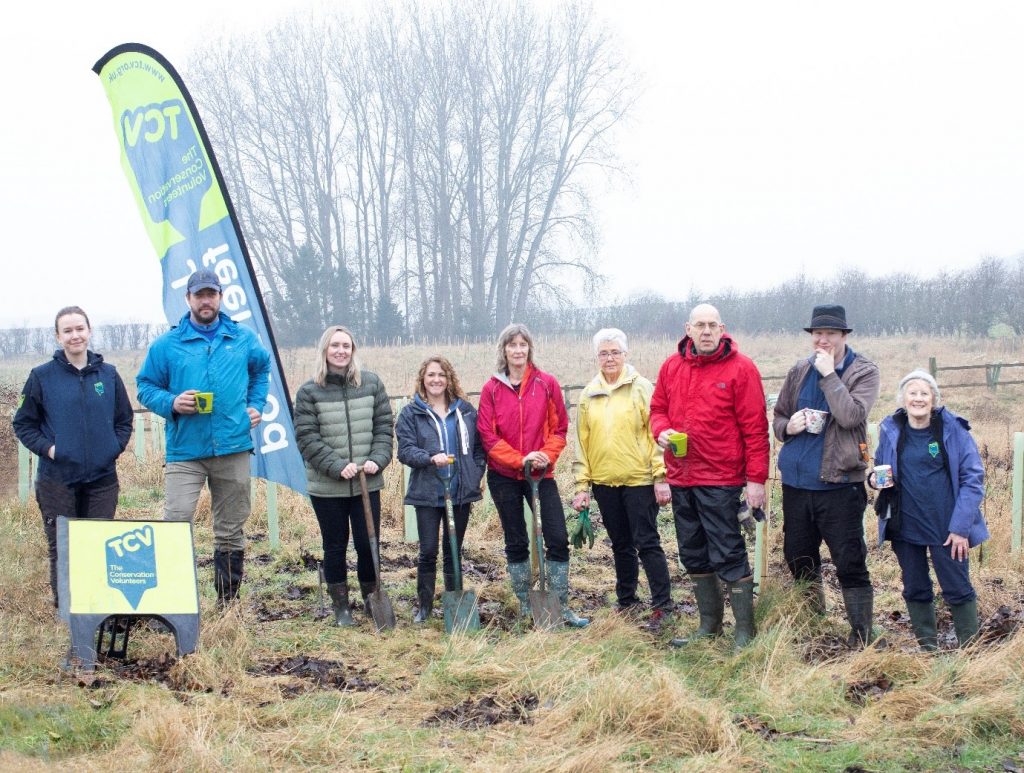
98	386
21	400
933	449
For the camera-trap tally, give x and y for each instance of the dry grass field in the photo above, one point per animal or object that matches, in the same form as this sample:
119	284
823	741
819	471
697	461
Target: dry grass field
273	686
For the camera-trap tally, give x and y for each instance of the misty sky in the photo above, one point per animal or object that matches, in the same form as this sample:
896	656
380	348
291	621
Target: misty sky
770	139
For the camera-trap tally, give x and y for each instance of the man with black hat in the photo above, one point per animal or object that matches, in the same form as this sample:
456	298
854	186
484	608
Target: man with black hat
821	417
208	378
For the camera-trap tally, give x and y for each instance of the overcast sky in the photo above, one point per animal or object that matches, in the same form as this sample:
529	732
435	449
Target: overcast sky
770	140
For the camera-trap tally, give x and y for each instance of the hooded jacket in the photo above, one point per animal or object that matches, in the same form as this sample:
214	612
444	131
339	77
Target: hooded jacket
850	398
966	472
514	423
85	414
614	445
718	401
234	366
418	433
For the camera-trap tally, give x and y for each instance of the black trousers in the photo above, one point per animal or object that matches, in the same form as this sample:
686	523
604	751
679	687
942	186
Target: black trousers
708	531
508	495
335	516
428	519
97	499
630	514
835	516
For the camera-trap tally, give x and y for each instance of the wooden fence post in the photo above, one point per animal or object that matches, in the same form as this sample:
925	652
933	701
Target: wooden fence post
1017	513
933	367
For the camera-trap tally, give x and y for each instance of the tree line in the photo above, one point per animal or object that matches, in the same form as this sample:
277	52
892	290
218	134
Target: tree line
419	167
970	302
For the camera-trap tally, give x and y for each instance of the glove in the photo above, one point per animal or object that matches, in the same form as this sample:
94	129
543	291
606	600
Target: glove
582	530
747	517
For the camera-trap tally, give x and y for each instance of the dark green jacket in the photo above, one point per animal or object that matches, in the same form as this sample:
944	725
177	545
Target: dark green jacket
340	423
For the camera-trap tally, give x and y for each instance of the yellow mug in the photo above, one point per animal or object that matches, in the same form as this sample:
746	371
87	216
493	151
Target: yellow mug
204	402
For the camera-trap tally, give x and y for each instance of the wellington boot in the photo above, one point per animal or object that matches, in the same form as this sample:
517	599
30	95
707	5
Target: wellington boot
425	595
711	604
741	597
814	593
965	621
922	620
860	607
338	591
558	572
228	569
519	576
365	589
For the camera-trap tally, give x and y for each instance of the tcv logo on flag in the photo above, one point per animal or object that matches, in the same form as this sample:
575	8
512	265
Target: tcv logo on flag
131	563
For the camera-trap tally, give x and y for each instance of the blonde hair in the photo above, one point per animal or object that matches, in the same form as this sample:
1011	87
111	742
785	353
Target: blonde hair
352	372
452	391
505	336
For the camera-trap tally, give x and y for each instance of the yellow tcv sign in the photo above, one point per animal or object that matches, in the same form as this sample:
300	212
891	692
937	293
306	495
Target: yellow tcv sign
131	567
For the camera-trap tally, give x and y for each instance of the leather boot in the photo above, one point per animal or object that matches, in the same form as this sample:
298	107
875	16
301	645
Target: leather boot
558	572
922	620
228	570
425	594
741	597
519	576
338	591
965	621
860	606
711	606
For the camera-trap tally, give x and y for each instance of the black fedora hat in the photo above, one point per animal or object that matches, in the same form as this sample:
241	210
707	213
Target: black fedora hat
828	317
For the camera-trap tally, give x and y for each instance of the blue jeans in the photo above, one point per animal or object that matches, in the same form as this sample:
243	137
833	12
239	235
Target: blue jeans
508	495
917	584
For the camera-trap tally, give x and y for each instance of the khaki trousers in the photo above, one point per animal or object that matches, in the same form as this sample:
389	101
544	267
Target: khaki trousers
228	478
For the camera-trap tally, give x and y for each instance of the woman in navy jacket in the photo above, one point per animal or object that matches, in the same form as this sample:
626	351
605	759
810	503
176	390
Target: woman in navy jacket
74	414
931	505
437	427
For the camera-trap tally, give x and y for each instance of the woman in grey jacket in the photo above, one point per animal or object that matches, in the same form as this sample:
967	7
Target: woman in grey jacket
343	422
437	436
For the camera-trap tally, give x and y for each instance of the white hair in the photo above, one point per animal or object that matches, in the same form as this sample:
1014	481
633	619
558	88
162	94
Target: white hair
918	375
610	334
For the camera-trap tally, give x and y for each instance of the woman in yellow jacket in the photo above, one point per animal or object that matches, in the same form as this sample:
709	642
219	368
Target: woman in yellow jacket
619	464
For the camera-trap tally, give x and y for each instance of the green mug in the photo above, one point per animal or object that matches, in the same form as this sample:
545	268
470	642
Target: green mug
678	442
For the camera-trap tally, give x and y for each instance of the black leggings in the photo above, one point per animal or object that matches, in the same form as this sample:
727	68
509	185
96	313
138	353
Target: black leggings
335	514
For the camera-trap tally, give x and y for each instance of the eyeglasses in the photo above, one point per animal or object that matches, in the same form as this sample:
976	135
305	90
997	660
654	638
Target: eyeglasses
712	326
613	354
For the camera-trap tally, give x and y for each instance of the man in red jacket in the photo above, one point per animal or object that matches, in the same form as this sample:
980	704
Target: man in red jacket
713	393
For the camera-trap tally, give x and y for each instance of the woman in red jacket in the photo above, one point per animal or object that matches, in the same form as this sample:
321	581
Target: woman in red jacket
522	419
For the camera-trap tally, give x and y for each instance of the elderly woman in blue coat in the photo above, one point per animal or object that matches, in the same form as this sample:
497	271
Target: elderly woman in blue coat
437	438
931	505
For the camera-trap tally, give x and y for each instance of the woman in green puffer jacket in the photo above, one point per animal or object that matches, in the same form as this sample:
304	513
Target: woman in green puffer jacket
343	421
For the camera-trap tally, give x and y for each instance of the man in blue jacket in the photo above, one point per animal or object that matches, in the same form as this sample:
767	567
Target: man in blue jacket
207	377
